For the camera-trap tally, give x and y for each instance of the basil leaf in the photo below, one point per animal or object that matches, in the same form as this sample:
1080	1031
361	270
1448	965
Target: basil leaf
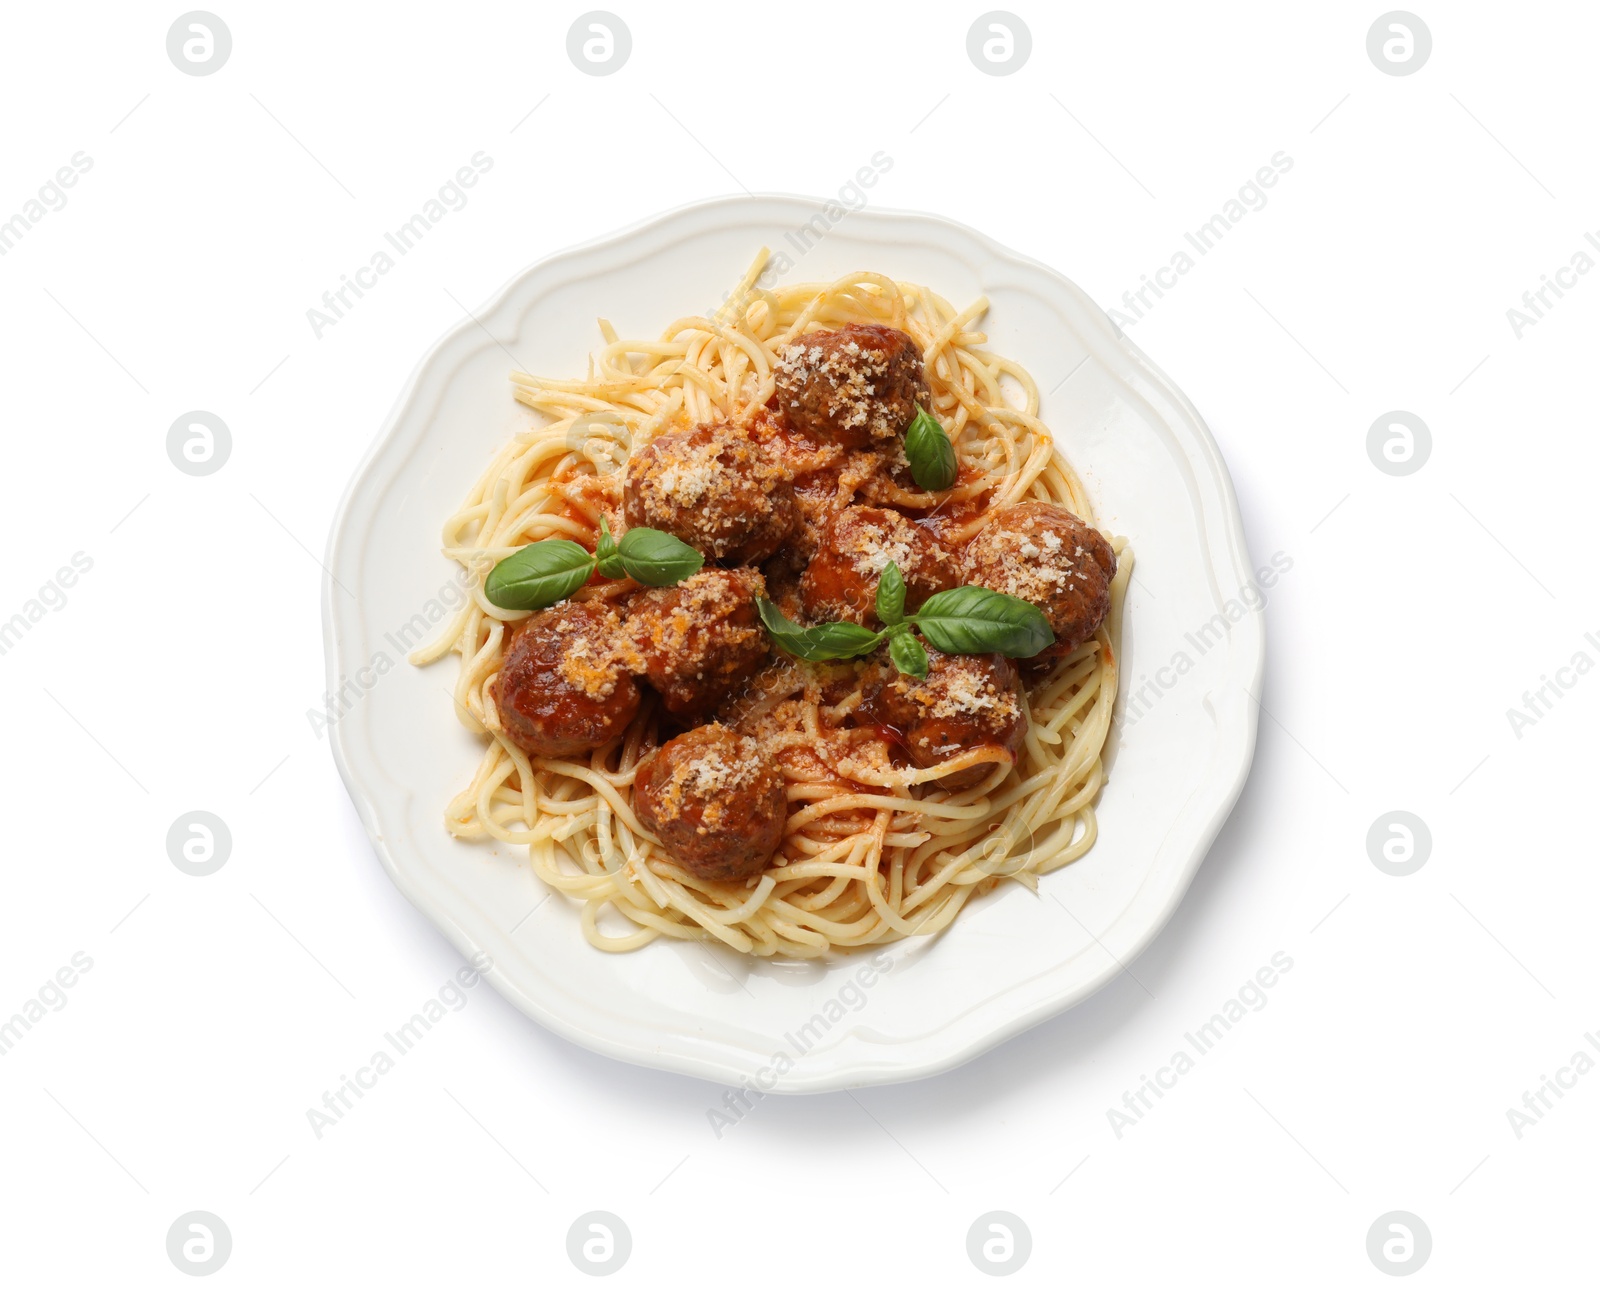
891	595
605	553
907	653
538	575
824	643
974	619
657	558
930	452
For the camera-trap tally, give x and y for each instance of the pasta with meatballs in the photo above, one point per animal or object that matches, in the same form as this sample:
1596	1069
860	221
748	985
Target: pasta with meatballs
757	665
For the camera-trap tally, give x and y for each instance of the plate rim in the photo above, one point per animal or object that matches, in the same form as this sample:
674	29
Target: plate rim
1246	644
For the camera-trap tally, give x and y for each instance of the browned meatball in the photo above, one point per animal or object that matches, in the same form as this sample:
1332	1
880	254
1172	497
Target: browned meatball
1048	556
855	386
713	487
713	802
564	686
965	701
701	639
841	581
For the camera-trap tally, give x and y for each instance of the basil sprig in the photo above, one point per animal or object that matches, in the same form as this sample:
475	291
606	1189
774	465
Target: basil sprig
907	654
974	619
891	595
538	575
968	619
606	556
547	572
657	558
930	452
825	643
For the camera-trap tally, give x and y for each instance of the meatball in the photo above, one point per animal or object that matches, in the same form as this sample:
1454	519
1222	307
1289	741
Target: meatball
564	686
713	487
841	581
965	701
1048	556
713	802
700	640
856	386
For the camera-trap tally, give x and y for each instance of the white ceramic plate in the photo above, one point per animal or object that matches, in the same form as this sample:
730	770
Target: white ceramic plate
1011	959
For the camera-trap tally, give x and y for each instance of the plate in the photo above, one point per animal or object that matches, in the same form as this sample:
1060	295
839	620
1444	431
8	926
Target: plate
1178	757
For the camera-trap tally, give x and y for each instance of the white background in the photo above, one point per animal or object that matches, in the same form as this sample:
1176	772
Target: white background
178	674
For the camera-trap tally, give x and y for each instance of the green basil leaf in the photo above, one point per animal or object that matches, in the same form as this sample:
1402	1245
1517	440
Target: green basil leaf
656	558
605	553
974	619
930	452
824	643
538	575
907	653
891	595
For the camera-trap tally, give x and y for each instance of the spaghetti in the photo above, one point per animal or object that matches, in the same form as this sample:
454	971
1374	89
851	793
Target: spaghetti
873	849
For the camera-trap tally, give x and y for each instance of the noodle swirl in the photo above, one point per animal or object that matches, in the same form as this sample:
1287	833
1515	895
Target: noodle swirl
872	851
